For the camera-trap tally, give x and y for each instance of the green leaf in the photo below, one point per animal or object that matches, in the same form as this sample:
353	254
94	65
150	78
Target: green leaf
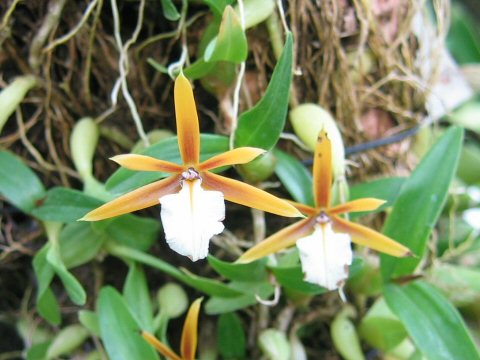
231	43
38	351
262	125
48	308
219	305
169	10
75	291
79	244
462	40
254	271
292	278
230	337
208	286
433	323
135	292
18	184
120	332
124	180
199	69
89	319
295	177
217	6
384	189
418	206
65	205
133	231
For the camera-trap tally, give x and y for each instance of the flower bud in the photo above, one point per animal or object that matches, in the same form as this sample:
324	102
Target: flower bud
308	120
274	344
259	169
13	95
172	300
67	340
344	335
83	142
256	11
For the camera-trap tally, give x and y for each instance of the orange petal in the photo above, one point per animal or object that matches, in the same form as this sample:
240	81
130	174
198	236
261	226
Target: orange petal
248	195
161	347
141	198
366	204
281	240
187	121
305	209
146	163
322	170
188	345
236	156
363	235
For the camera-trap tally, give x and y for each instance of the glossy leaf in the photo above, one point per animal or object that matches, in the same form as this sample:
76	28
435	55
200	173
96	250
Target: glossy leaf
295	177
231	340
254	271
48	308
433	323
169	10
217	6
207	286
124	180
262	125
292	278
65	205
136	294
421	199
120	332
385	189
89	319
231	43
18	184
463	41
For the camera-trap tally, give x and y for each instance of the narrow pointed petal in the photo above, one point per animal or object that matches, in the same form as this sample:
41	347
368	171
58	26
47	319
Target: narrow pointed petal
363	235
141	198
187	121
322	170
188	345
366	204
159	346
283	239
191	217
146	163
241	155
304	209
248	195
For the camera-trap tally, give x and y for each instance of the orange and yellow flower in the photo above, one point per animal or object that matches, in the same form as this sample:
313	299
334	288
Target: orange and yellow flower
192	197
323	238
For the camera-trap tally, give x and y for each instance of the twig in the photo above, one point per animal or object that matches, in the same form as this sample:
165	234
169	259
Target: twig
8	13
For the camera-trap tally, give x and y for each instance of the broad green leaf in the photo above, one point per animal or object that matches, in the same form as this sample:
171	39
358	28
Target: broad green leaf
220	305
262	125
48	308
65	205
169	10
433	323
89	319
231	43
295	177
208	286
120	332
79	244
75	291
421	199
292	278
231	340
462	40
124	180
217	6
18	184
135	292
385	189
38	351
133	231
67	340
254	271
199	69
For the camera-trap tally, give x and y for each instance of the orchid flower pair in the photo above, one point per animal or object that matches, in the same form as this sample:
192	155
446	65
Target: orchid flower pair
192	198
324	238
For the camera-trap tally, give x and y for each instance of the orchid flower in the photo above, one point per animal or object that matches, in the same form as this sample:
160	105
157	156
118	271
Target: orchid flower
324	238
192	198
188	344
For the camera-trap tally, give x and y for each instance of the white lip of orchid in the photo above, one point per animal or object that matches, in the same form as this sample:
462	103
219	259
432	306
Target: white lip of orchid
192	216
326	256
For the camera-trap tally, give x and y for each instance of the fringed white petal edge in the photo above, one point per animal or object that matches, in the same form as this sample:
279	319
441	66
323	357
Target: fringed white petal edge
326	257
191	217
